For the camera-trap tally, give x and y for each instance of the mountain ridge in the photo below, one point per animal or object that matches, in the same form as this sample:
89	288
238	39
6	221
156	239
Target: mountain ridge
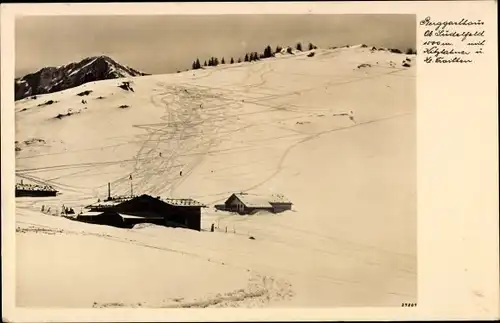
54	79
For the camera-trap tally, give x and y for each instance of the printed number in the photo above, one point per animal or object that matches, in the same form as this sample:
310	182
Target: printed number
408	304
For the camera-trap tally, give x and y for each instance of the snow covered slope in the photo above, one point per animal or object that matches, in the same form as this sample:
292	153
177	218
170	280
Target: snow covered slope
53	79
334	133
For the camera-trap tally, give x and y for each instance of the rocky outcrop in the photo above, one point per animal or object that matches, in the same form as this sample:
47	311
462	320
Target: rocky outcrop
54	79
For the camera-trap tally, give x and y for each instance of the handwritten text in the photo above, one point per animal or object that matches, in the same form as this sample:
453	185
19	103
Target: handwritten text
446	42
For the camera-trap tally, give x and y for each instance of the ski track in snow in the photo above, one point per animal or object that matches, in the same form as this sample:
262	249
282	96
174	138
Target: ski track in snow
198	118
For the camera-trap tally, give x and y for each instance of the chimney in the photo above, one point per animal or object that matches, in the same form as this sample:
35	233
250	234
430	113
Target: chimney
21	182
109	191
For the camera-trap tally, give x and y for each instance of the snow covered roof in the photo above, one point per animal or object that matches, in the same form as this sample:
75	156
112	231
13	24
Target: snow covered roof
118	200
182	202
91	213
34	187
278	198
254	200
105	204
129	216
110	203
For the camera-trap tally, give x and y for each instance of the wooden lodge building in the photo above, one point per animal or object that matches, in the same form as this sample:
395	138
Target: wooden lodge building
125	212
244	203
34	190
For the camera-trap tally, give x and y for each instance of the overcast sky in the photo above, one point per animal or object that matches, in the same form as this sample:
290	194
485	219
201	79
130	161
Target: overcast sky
164	44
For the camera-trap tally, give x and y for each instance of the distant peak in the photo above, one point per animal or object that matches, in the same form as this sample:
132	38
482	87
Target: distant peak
99	58
105	57
53	79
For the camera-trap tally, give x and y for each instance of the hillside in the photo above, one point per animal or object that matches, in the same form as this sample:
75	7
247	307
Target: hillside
54	79
279	125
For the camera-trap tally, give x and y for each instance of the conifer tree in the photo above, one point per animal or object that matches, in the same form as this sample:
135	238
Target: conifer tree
410	51
232	60
267	52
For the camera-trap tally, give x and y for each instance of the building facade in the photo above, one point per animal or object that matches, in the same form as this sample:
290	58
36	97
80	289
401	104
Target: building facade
34	190
126	212
244	203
